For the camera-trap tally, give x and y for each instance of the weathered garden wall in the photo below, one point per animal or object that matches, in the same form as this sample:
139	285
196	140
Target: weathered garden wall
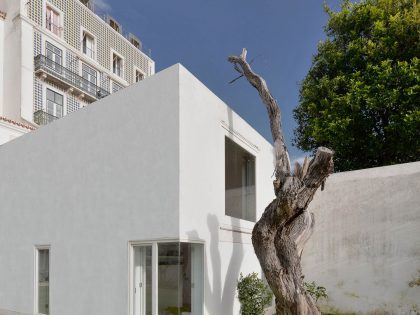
366	244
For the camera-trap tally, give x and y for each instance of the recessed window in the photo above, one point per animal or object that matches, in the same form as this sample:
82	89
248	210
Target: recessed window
139	76
114	24
116	87
117	65
43	280
134	41
88	45
53	21
90	78
54	104
239	182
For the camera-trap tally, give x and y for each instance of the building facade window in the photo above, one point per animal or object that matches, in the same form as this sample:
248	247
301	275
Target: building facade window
114	24
117	65
53	21
90	75
42	280
134	40
88	45
178	270
139	76
240	199
54	104
54	56
116	87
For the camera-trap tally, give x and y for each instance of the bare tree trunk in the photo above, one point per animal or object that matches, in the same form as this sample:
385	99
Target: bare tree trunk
285	226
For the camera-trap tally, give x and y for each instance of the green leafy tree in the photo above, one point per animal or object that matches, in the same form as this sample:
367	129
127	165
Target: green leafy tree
361	96
253	294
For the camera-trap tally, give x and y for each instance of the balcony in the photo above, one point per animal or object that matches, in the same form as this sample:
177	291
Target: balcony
68	80
43	118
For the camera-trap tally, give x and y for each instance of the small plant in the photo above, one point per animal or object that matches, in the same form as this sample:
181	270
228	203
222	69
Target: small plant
253	294
317	292
415	282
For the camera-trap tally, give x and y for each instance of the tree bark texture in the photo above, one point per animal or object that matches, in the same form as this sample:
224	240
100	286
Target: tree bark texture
285	226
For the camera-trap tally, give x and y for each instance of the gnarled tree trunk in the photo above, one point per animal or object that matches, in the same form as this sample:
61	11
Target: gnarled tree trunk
285	226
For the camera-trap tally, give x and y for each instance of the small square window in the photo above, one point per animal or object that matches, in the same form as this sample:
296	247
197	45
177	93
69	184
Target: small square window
239	182
139	76
114	24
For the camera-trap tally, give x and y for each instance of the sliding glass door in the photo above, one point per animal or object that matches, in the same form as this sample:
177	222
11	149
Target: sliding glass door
177	270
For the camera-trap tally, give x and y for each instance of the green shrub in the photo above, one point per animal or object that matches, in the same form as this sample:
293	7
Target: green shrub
253	294
317	292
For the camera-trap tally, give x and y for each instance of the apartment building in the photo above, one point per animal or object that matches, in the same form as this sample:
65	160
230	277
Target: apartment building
57	56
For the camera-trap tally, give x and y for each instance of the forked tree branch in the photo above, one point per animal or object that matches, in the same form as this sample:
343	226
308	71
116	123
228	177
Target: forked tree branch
282	163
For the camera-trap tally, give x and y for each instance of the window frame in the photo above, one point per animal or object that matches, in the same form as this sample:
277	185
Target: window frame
83	32
60	14
135	70
55	90
53	66
235	220
114	24
122	68
85	64
37	248
155	260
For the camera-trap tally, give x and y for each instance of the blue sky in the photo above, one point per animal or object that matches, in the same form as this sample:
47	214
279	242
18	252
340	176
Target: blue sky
200	34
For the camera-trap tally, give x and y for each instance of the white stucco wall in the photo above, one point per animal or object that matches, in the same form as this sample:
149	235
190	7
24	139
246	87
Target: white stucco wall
1	63
366	244
146	163
205	121
86	185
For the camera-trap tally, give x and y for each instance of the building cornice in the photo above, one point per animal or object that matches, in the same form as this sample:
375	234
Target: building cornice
15	123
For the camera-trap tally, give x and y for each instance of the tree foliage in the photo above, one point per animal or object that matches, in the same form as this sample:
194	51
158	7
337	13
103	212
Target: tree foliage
361	96
316	291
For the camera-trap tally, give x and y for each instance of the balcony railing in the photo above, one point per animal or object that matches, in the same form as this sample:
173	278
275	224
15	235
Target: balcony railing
88	51
42	118
68	77
56	29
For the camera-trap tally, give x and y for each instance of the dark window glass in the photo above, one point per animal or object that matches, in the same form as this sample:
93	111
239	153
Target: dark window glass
239	182
43	281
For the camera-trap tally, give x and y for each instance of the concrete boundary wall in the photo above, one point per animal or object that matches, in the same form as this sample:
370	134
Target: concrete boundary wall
7	312
366	245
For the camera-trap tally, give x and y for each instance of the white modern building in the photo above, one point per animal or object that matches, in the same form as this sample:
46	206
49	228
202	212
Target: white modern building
57	56
140	204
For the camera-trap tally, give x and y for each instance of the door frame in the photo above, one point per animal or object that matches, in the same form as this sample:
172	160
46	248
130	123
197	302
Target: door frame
155	253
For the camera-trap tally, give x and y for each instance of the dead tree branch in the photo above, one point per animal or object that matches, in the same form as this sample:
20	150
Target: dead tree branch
285	226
